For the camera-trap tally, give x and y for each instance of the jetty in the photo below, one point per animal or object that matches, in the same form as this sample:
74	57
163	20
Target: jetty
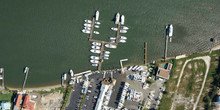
145	53
103	42
2	78
26	75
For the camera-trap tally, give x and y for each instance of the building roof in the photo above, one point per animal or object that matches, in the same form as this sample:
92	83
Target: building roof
163	73
6	105
19	100
27	104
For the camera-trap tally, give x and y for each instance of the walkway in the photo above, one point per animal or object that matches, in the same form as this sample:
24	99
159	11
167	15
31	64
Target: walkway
207	60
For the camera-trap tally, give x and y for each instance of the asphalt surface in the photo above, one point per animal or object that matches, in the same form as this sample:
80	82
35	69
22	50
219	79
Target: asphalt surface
75	97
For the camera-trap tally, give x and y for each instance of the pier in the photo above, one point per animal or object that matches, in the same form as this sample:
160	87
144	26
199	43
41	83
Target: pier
102	42
145	53
166	46
26	74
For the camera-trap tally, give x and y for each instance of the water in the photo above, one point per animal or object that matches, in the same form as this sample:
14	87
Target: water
46	36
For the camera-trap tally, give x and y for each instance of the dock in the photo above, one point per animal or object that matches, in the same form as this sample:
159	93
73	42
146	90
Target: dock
2	79
26	75
102	42
166	46
145	53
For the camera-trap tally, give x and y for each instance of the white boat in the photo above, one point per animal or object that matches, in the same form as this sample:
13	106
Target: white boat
96	43
1	70
113	41
117	18
98	23
86	31
106	55
122	19
87	28
64	76
123	37
71	73
106	58
94	61
106	52
95	47
95	51
123	31
114	29
170	33
112	38
88	21
97	15
122	40
95	64
124	27
94	57
110	46
87	25
26	69
96	32
96	26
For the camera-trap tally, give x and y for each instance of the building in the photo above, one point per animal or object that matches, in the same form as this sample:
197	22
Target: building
5	105
18	102
28	104
164	70
103	96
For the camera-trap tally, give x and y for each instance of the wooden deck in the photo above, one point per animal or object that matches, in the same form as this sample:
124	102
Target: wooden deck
145	54
102	42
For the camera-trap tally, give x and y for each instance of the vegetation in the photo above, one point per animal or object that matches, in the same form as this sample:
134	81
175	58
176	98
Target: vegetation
66	97
6	96
82	101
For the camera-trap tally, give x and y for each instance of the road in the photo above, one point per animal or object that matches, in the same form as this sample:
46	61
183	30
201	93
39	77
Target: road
207	60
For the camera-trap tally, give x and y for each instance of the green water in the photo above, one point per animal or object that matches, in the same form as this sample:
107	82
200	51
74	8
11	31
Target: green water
46	35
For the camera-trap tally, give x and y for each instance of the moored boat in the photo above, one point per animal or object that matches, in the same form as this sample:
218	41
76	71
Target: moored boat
87	25
170	33
106	52
122	40
94	61
96	43
117	18
95	64
122	19
95	47
97	15
86	31
123	31
112	38
64	76
87	28
124	27
110	46
106	55
71	73
98	23
94	57
96	26
114	29
95	51
88	21
106	58
96	32
26	69
123	37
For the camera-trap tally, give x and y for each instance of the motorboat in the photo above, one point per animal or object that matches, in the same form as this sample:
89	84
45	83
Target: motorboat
95	47
96	26
113	41
106	58
87	28
117	18
95	64
64	76
96	43
170	33
124	27
86	31
95	32
71	73
94	57
26	69
122	19
88	21
106	52
114	29
112	38
123	37
94	61
95	51
106	55
123	31
97	15
122	40
98	23
110	46
87	25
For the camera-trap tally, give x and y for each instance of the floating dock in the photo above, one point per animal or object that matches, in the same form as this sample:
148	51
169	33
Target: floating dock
102	42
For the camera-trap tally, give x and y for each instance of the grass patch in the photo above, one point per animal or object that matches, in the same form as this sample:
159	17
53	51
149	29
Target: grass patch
6	96
82	101
180	107
66	97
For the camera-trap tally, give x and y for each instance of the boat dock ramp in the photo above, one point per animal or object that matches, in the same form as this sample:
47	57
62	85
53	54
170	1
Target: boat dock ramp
2	78
26	71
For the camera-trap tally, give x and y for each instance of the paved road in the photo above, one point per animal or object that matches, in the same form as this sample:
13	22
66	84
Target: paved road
207	60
